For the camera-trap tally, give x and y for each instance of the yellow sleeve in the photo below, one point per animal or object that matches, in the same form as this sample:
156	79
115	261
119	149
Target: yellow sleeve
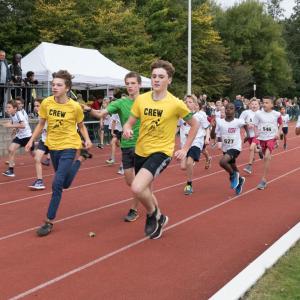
135	109
43	110
79	114
183	111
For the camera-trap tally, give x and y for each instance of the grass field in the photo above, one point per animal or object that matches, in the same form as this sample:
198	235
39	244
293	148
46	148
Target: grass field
280	282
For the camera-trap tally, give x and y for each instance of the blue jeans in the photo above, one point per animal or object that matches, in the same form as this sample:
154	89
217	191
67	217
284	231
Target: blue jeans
65	170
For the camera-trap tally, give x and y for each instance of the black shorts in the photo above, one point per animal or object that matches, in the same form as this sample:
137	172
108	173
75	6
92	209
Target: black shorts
23	142
118	134
128	158
285	130
155	163
194	152
41	146
233	153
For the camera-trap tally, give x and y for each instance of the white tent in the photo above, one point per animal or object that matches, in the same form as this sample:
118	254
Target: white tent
89	67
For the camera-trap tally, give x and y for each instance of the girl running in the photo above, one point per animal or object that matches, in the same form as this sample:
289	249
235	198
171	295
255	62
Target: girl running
63	115
285	126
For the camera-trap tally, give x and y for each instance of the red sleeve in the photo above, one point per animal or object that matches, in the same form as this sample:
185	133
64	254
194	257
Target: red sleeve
279	121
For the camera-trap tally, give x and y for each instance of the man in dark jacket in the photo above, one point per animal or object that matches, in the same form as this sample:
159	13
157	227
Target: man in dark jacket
5	78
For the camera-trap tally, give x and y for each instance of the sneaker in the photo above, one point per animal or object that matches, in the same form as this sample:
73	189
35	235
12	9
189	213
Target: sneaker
120	171
234	180
188	190
162	222
151	225
45	229
85	154
46	162
110	161
9	173
239	188
131	216
208	163
262	185
100	146
248	169
38	185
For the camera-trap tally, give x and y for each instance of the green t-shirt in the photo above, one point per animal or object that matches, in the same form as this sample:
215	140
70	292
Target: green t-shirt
122	107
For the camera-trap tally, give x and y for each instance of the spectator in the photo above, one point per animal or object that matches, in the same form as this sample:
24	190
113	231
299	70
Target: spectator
97	103
16	74
239	105
29	93
79	99
5	77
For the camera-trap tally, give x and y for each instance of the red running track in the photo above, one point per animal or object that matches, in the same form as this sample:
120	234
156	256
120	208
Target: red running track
212	235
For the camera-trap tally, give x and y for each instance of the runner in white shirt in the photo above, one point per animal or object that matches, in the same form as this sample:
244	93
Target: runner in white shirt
297	129
228	132
42	149
23	134
248	117
285	126
116	132
268	124
194	152
20	105
216	116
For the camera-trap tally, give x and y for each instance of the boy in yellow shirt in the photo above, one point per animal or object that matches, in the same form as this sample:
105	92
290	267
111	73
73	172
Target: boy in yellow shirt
158	112
63	116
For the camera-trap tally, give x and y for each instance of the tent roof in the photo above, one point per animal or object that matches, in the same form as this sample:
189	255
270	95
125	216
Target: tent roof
88	66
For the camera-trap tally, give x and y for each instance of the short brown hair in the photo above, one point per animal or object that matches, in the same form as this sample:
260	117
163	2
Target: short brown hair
134	75
65	75
12	103
164	65
19	98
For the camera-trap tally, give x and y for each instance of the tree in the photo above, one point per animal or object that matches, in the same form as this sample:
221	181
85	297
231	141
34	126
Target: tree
255	39
274	9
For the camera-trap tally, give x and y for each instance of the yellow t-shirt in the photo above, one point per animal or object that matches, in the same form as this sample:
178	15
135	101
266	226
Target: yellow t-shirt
158	123
62	122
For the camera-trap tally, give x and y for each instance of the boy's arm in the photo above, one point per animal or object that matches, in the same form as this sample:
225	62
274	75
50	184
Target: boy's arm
20	125
280	123
180	154
87	141
36	133
127	128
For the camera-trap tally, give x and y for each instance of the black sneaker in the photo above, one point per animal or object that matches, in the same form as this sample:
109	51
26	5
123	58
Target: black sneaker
9	173
162	222
100	146
131	216
85	154
151	225
45	229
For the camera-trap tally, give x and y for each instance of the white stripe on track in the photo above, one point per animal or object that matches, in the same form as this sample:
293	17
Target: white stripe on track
131	245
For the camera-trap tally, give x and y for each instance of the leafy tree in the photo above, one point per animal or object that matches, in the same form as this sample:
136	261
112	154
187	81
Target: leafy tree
274	9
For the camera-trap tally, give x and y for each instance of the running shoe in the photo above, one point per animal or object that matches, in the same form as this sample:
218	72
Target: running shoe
239	188
162	222
248	169
85	154
45	229
188	190
234	180
110	161
100	146
131	216
9	173
38	185
151	225
208	163
46	162
262	185
120	171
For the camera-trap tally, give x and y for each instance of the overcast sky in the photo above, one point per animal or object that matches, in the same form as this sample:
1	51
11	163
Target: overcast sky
287	5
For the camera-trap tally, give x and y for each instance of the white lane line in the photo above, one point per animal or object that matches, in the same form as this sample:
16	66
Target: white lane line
131	245
116	178
115	203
